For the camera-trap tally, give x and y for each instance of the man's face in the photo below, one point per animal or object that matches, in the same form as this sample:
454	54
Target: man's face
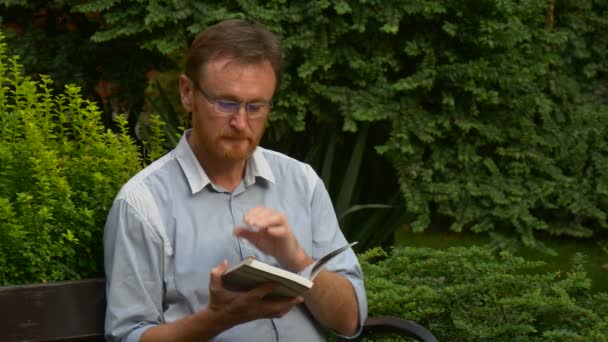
220	136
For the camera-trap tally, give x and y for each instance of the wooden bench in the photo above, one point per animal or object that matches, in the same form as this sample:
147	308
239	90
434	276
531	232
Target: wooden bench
74	311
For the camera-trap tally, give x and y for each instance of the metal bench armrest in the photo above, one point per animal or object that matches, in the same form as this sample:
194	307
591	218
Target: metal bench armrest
394	325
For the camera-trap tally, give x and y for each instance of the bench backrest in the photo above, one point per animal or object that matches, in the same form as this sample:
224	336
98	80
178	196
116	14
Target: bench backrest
75	311
61	311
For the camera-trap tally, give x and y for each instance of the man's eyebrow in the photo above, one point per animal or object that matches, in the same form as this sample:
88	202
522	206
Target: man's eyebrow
232	97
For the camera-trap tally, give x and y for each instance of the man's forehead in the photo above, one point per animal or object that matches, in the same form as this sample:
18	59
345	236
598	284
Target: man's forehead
228	67
230	63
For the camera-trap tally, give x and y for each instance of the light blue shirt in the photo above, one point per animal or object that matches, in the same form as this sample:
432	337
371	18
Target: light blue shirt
169	226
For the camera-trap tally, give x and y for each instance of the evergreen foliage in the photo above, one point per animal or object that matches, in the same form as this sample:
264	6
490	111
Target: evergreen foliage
496	111
457	109
52	40
497	108
59	173
471	294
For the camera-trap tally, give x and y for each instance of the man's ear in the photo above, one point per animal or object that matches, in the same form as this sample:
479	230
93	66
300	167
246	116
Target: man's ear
186	92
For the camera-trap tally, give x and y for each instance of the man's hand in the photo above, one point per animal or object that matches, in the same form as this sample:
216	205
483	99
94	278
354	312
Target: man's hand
273	235
332	299
232	308
225	310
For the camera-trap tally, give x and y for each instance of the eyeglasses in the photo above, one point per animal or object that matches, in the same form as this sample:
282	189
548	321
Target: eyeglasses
227	108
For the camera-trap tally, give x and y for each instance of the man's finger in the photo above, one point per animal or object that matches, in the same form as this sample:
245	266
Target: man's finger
246	233
280	308
265	218
277	231
215	280
263	290
254	215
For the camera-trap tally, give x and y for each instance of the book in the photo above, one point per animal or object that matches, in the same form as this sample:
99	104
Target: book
251	273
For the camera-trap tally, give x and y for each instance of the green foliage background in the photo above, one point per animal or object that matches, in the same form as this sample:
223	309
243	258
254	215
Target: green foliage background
471	294
494	112
52	40
59	173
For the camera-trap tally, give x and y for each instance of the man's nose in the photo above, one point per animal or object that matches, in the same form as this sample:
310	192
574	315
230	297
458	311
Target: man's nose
239	119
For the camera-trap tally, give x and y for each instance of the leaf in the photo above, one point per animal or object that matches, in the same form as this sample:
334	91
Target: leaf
352	172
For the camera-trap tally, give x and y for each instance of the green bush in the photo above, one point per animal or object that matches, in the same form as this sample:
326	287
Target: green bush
498	126
471	294
493	112
59	173
53	40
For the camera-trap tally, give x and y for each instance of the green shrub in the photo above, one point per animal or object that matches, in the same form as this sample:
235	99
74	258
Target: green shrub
499	127
59	173
494	112
34	28
471	294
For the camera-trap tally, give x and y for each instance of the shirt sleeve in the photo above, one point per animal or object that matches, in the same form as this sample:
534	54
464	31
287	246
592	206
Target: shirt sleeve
133	256
327	237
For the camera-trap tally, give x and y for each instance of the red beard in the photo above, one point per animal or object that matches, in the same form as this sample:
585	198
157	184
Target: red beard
231	146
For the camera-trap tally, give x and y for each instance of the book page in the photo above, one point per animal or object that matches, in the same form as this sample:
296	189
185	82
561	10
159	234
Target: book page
250	273
313	269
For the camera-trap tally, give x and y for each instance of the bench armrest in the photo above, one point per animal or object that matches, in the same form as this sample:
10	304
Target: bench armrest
394	325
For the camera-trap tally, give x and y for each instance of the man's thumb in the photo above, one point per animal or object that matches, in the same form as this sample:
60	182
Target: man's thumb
217	271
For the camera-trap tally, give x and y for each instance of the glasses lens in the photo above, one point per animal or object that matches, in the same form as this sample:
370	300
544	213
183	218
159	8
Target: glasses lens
227	106
255	108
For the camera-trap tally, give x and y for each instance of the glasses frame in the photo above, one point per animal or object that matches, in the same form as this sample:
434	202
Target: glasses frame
217	105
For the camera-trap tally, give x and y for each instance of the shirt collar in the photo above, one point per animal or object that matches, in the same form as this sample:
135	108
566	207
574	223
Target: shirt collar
257	166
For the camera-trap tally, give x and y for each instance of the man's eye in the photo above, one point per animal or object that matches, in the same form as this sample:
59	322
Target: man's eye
255	107
228	106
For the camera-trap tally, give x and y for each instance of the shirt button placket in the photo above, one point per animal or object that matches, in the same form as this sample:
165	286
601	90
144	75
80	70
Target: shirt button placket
238	213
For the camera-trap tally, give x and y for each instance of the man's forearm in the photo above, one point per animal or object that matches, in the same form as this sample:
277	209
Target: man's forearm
201	326
333	302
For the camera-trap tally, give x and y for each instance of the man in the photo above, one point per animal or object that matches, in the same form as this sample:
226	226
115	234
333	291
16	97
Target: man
177	225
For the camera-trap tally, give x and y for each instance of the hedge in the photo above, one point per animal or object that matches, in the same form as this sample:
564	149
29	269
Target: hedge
493	113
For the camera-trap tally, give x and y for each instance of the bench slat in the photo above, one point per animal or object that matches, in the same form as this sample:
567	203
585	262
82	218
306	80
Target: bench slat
75	311
70	310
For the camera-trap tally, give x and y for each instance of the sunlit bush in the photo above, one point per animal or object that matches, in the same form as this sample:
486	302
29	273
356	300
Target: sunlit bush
59	173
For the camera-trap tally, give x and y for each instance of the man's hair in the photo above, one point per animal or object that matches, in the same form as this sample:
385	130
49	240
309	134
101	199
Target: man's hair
243	41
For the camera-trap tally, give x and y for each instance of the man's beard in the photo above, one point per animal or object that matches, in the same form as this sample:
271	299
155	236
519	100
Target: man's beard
220	149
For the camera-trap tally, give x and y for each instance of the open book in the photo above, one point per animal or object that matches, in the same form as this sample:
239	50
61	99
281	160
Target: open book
251	273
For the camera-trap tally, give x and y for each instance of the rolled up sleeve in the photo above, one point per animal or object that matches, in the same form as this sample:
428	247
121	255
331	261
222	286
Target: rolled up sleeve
328	237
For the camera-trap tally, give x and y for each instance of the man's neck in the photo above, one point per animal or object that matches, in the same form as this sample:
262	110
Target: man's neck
225	173
228	175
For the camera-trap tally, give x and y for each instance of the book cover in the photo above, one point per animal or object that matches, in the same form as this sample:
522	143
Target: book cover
251	273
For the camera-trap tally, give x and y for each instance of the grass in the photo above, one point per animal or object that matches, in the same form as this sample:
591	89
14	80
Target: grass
596	264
